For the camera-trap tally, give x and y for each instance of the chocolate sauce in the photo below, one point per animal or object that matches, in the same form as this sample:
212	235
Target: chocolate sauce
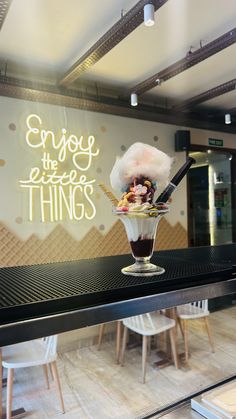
142	248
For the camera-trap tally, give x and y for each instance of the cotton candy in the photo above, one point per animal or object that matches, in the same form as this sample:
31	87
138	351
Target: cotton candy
141	160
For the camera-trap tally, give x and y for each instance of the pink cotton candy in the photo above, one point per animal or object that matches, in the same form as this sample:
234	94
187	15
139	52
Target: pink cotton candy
141	160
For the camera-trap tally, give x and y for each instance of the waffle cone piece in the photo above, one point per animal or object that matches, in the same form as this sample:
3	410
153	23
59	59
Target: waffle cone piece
109	194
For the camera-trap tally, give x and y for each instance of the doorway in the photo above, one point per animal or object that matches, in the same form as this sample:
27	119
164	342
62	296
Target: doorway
210	198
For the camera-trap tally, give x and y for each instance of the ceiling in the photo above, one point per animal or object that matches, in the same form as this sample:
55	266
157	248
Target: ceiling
42	40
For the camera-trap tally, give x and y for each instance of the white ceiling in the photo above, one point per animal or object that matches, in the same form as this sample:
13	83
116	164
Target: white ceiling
52	34
48	36
209	73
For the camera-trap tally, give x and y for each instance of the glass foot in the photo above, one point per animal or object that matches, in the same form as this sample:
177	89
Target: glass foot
143	269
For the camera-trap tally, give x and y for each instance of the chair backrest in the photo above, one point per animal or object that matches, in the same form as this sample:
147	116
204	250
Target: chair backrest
203	304
50	345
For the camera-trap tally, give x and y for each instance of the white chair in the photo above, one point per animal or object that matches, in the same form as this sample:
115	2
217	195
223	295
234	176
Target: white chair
30	354
192	311
148	325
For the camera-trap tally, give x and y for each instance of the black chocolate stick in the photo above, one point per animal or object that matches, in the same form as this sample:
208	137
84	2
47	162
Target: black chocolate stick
165	195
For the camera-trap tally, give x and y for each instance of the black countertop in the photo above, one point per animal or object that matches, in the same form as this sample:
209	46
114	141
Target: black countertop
45	299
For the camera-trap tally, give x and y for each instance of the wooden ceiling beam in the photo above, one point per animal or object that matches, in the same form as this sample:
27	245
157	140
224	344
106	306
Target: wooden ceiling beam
188	104
4	7
43	93
120	30
232	111
191	59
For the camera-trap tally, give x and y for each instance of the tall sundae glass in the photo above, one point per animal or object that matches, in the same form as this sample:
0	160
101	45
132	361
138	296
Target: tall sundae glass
141	227
141	172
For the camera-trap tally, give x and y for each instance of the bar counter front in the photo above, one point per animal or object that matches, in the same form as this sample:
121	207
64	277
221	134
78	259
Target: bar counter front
42	300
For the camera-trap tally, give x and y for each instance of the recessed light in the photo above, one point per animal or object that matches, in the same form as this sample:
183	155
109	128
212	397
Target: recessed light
227	118
134	99
149	14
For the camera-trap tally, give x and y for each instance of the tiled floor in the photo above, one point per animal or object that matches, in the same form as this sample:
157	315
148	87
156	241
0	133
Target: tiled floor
95	387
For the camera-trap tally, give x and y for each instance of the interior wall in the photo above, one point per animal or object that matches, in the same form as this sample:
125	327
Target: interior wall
25	238
201	137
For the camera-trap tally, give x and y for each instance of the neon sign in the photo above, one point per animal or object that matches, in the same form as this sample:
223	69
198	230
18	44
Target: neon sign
60	194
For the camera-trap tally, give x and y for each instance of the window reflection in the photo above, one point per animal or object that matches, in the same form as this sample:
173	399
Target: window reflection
210	199
98	379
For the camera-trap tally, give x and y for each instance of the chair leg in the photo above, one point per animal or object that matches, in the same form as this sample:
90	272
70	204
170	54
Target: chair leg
186	340
100	336
180	326
166	346
50	369
157	339
210	337
124	342
10	376
45	370
58	384
144	356
174	347
118	340
149	345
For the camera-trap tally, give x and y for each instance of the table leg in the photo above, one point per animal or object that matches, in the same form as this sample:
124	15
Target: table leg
167	357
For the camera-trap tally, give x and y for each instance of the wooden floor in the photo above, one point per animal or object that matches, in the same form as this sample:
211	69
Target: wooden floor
95	387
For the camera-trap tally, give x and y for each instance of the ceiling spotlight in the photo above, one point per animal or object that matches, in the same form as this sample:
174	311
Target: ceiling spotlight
134	99
158	82
149	14
227	118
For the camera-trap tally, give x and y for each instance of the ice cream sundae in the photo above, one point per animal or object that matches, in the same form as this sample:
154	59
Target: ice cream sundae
141	171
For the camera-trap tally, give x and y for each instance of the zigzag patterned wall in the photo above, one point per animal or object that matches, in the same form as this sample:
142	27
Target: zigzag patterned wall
60	246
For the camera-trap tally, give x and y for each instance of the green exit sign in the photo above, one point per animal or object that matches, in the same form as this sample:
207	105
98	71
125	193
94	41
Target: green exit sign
215	142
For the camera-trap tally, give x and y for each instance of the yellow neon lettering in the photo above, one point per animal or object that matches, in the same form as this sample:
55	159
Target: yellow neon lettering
77	205
56	218
44	201
67	201
33	130
74	144
61	193
90	192
53	178
86	152
30	187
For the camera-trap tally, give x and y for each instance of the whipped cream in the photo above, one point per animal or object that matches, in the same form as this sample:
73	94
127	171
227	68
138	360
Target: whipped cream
140	228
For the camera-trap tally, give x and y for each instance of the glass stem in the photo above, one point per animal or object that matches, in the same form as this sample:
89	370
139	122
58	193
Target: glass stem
142	260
